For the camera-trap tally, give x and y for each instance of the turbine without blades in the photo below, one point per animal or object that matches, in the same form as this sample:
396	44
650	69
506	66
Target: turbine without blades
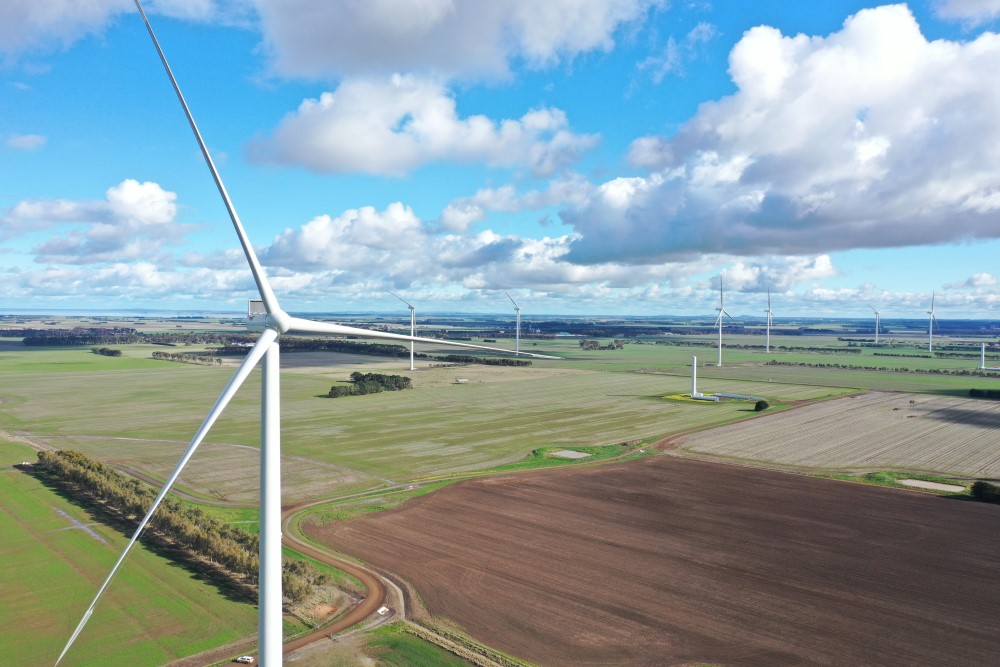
767	347
266	350
718	321
413	324
517	326
876	323
931	318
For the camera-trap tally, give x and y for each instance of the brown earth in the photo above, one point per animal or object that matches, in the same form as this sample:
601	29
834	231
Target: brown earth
667	561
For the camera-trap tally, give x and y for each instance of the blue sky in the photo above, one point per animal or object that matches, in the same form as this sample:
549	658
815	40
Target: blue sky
588	156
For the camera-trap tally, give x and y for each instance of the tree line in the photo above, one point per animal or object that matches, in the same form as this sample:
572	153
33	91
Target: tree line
370	383
106	351
199	359
185	530
898	369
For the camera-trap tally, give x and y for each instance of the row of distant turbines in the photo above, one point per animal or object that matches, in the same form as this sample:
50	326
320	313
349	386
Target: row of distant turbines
932	318
413	325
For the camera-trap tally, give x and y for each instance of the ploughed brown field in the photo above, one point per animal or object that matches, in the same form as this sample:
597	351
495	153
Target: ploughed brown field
666	561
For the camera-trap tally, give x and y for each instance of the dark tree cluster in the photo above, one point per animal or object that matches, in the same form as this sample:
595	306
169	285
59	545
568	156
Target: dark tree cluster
106	351
370	383
185	530
986	491
588	344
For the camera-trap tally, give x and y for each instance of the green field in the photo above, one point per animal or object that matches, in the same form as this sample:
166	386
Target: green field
154	611
139	414
143	416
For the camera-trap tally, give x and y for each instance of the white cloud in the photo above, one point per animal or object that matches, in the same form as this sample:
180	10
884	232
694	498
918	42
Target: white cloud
131	222
461	213
971	11
443	37
975	281
396	125
869	137
778	274
26	142
34	26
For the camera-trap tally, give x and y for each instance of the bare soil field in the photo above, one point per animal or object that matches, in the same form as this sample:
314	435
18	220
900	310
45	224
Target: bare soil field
668	561
878	430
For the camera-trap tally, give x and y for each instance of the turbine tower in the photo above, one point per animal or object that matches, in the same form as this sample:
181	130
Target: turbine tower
413	324
517	326
722	311
768	312
694	377
876	323
275	323
930	328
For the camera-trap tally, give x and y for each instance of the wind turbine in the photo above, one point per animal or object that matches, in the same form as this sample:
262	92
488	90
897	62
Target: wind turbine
768	312
876	323
722	311
930	329
413	324
275	323
517	329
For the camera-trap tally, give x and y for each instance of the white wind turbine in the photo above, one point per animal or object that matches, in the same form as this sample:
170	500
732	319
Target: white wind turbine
266	349
876	323
768	312
722	311
413	324
930	328
517	326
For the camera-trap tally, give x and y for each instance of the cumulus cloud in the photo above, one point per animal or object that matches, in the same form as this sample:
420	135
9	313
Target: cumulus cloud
443	37
395	125
969	11
132	221
975	281
26	142
464	211
870	137
778	274
30	26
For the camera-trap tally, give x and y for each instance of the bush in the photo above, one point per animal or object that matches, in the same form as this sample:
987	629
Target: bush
761	406
986	491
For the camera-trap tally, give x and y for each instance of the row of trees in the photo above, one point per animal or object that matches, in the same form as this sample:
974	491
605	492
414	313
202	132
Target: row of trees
898	369
486	361
774	348
199	359
985	393
106	351
185	529
370	383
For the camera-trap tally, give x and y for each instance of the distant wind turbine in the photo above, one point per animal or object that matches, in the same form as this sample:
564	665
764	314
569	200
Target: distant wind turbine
876	323
931	318
768	311
517	329
275	323
722	311
413	324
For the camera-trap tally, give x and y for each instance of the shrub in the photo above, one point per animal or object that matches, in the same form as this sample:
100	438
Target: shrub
760	406
986	491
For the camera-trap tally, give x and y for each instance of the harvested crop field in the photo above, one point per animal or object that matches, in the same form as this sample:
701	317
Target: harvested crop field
878	430
668	561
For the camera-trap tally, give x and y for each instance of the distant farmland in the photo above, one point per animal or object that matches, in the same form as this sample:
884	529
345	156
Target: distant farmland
938	434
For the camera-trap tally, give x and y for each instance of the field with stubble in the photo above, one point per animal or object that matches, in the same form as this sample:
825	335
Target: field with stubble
936	434
669	561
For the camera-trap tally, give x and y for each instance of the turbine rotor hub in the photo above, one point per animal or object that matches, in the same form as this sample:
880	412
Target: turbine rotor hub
279	320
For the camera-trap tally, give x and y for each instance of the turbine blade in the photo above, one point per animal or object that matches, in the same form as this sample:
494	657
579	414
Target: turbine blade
873	309
309	326
401	299
512	300
255	354
263	287
729	316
